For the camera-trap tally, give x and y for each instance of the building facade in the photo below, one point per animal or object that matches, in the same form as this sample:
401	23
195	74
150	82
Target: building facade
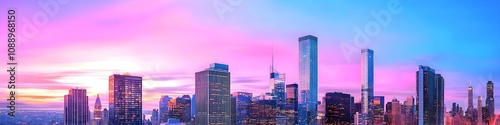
76	107
97	111
243	100
378	110
164	112
430	97
367	86
337	108
125	99
308	79
213	97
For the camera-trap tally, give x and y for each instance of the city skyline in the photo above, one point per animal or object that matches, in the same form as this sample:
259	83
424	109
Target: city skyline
168	63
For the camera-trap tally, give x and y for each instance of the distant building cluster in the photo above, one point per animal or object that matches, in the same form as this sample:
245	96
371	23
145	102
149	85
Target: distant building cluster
283	104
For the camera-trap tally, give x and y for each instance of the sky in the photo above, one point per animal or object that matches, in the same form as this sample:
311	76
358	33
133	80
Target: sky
80	44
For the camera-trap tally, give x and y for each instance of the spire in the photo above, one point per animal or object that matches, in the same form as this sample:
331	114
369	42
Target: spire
272	58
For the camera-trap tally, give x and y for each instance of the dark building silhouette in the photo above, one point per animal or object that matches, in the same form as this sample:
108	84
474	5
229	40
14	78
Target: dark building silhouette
263	111
490	101
337	108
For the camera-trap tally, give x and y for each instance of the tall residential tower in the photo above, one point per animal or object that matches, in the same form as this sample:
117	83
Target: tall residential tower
367	86
308	79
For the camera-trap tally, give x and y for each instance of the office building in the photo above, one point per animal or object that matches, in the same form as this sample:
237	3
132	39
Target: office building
409	105
243	100
338	108
180	108
262	111
378	110
76	107
164	111
97	111
430	97
308	79
490	101
292	105
396	117
125	99
105	116
213	97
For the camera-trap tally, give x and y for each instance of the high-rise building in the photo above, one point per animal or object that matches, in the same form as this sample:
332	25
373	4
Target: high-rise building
388	110
97	111
164	111
357	108
469	114
105	116
292	105
154	117
233	110
378	109
262	111
479	111
180	108
213	97
193	107
490	101
409	105
440	99
338	108
430	97
243	100
125	99
308	79
396	113
367	86
76	107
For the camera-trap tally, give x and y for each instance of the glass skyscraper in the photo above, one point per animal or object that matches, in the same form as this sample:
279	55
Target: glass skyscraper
490	101
213	97
308	79
430	97
367	86
125	99
76	107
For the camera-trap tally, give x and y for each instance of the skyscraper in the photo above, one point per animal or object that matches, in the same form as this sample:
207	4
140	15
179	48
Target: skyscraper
440	99
308	79
469	114
396	113
97	111
213	101
105	116
410	110
292	105
164	112
479	111
490	101
180	108
76	107
233	110
193	107
338	108
367	86
430	96
378	109
243	100
125	99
